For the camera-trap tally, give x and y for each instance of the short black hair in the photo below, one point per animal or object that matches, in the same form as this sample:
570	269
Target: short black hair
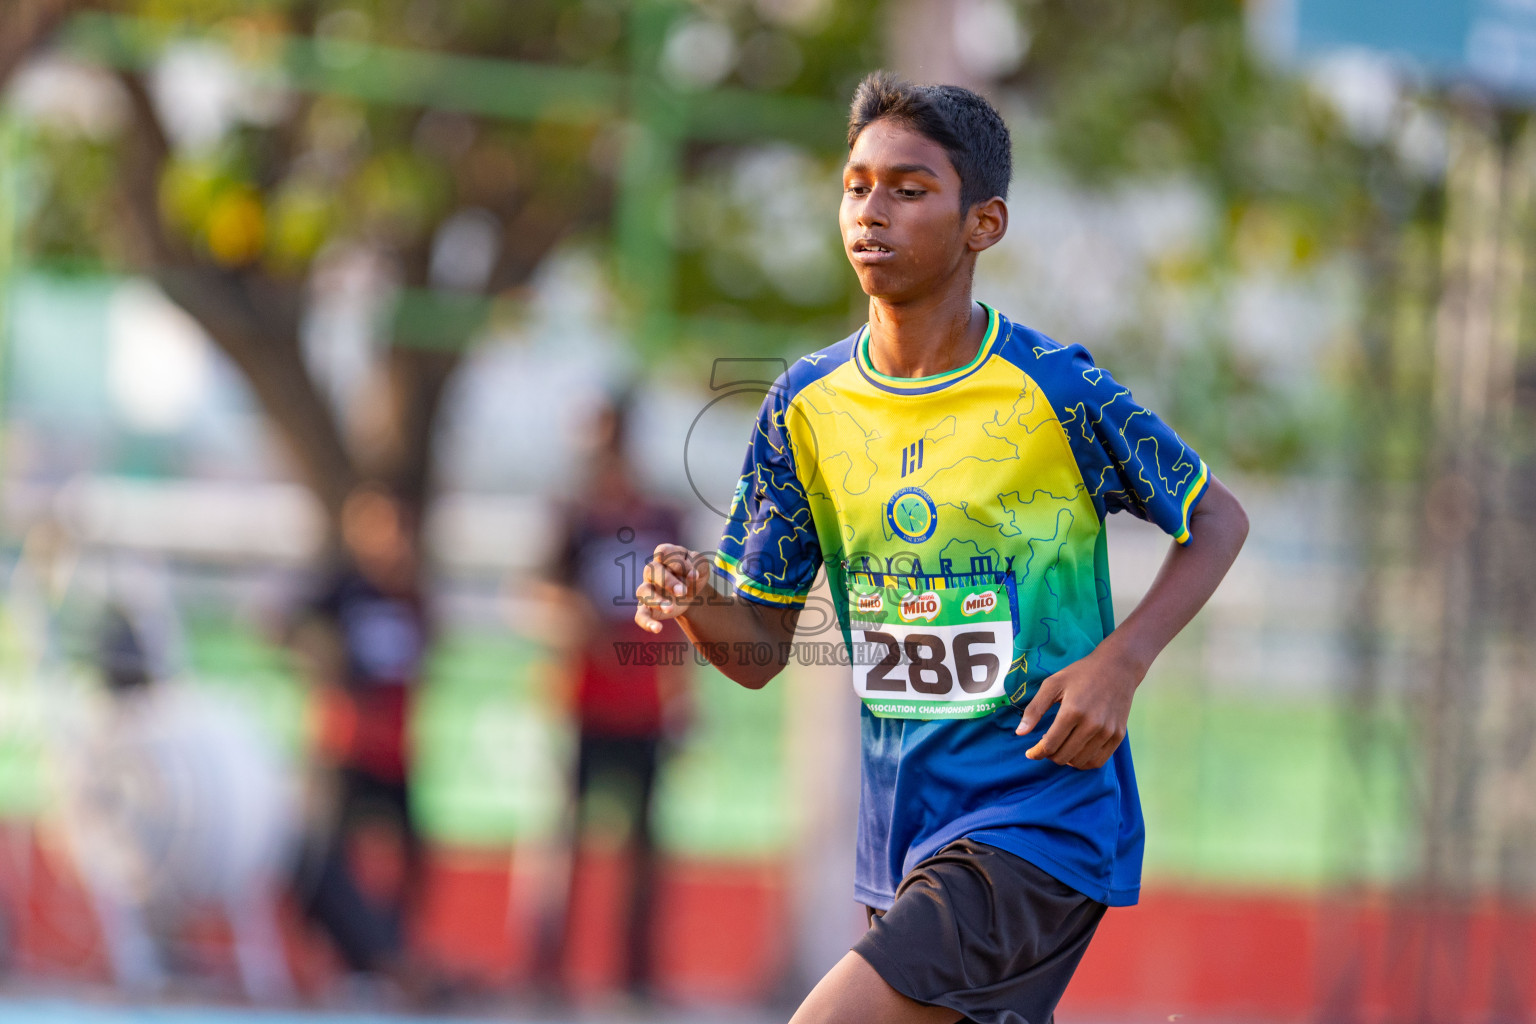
969	128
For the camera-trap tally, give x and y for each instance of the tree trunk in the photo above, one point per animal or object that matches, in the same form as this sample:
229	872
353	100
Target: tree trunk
255	323
417	381
24	24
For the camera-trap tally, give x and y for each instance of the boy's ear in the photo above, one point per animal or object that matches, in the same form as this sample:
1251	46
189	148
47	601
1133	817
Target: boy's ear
988	222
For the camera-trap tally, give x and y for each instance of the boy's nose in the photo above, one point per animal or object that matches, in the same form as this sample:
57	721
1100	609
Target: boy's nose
873	214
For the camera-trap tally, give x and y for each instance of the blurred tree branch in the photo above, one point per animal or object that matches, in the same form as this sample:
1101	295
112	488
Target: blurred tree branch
388	188
380	138
25	24
256	320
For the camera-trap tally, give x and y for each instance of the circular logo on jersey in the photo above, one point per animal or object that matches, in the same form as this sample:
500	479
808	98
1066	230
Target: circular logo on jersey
912	514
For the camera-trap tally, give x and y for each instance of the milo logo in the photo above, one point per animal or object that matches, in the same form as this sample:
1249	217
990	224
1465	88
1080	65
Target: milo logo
975	604
919	606
871	604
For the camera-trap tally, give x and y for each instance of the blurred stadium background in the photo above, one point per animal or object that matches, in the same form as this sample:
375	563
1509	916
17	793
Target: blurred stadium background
252	253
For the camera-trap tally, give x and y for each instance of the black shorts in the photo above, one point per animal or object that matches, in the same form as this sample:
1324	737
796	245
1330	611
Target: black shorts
983	932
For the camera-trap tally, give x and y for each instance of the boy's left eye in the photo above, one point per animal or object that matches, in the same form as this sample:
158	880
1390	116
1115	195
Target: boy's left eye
910	193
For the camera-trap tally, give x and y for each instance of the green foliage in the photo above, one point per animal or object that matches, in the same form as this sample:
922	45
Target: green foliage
1164	86
215	205
280	184
1116	91
65	217
1173	89
758	242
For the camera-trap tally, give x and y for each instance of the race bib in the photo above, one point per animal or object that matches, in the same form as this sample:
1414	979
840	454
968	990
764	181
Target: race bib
931	653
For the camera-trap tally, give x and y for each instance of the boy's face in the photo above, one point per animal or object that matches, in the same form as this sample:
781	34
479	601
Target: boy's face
903	228
373	528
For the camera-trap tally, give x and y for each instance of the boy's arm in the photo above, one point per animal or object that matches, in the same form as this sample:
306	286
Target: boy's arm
678	586
1095	692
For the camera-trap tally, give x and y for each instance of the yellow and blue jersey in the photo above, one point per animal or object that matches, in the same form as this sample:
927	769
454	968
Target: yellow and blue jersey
998	474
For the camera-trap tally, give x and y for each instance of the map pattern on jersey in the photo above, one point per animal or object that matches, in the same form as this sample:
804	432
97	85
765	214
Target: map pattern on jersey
1008	465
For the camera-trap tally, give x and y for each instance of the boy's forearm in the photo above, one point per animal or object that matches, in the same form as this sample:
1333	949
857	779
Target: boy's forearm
719	623
1186	581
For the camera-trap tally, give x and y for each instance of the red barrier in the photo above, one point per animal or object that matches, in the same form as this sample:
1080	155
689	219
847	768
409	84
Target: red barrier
1370	958
722	935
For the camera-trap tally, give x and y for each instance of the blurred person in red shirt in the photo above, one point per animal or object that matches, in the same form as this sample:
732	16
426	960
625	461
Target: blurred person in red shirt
365	630
628	708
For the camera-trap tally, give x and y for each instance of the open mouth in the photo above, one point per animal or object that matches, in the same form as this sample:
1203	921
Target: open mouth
869	250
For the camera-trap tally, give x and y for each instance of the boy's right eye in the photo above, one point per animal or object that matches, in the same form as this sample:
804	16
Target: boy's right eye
856	190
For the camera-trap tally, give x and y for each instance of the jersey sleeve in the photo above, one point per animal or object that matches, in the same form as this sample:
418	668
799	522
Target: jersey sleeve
1130	459
769	552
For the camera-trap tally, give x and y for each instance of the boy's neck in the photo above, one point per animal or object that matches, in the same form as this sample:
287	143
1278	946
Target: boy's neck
925	336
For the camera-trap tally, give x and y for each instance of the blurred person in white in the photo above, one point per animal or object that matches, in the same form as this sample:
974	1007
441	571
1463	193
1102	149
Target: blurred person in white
627	708
362	634
178	805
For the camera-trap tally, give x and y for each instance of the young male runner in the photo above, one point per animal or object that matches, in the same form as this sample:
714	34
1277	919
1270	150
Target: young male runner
952	470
